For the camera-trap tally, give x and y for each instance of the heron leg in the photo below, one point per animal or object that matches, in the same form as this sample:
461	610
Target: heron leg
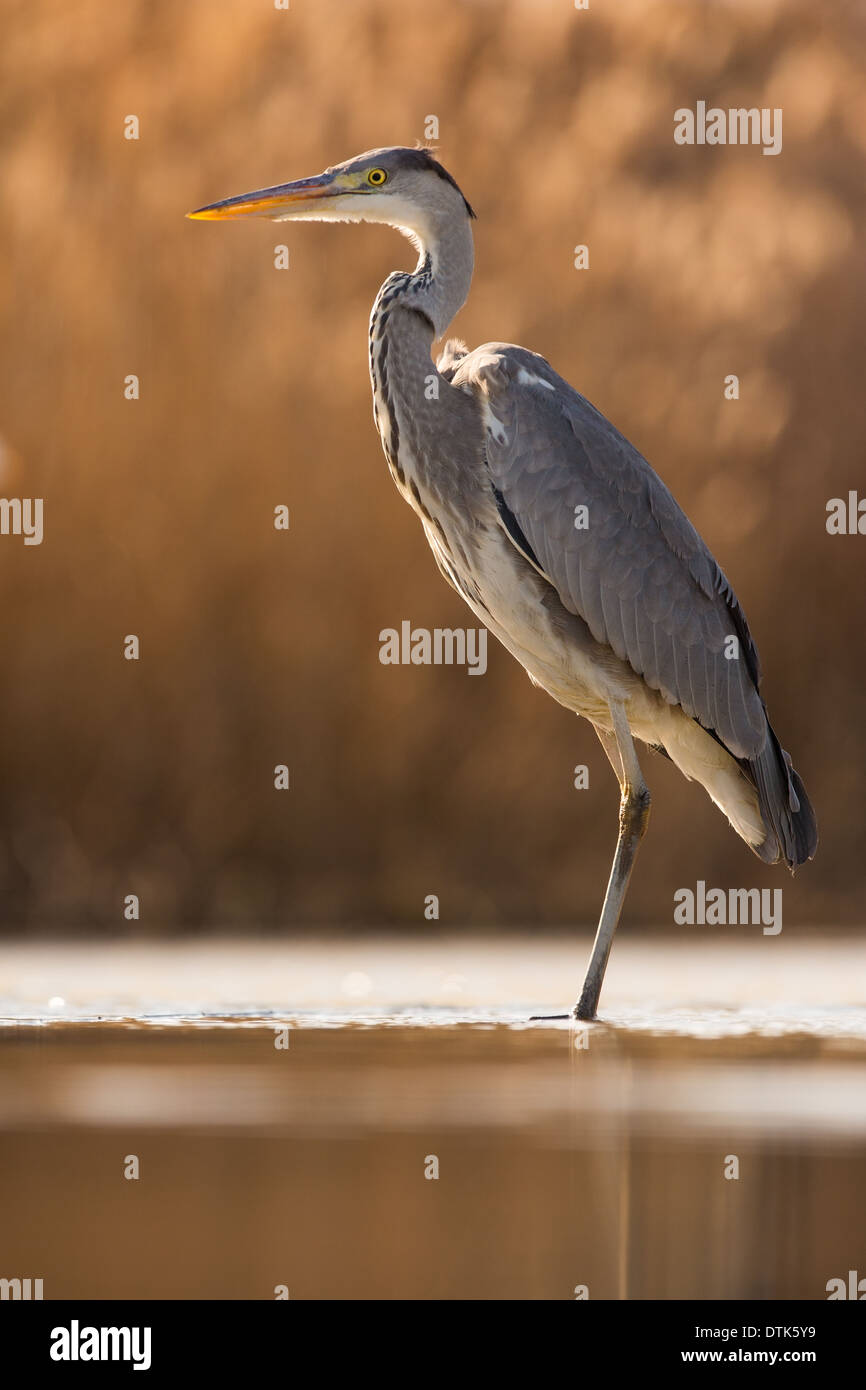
634	809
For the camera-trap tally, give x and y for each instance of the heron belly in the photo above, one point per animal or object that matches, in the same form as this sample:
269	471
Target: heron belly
524	613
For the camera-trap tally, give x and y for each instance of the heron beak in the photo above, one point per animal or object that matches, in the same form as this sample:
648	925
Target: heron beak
283	201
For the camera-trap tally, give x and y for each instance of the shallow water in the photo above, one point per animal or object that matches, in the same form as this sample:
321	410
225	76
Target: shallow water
566	1156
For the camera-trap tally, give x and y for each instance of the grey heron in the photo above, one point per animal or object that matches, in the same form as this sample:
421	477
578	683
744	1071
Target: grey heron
557	533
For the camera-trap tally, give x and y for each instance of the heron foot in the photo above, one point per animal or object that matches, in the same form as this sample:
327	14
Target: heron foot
547	1018
584	1015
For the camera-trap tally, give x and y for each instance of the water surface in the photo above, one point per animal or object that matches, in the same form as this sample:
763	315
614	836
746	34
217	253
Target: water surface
289	1104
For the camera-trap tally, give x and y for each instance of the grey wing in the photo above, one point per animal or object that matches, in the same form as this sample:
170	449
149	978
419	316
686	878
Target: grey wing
637	571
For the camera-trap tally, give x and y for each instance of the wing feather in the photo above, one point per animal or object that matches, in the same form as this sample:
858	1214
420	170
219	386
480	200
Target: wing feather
638	574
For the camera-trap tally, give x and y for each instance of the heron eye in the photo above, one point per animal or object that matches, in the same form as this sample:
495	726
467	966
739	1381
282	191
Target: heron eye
377	177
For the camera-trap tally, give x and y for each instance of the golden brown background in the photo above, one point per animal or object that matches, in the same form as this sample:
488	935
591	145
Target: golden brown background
261	647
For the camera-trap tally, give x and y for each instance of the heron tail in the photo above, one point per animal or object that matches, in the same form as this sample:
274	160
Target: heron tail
792	831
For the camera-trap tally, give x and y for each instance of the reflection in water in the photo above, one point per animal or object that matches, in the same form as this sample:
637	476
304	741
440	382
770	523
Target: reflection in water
292	1147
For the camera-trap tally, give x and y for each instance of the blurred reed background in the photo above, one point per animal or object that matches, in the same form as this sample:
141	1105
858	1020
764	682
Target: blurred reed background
259	647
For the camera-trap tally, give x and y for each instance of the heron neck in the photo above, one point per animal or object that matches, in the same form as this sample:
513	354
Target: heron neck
410	311
440	284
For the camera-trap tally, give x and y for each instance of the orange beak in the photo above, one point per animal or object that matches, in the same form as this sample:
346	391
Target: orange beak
283	201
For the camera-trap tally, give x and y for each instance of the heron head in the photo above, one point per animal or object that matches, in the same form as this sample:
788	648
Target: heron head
406	188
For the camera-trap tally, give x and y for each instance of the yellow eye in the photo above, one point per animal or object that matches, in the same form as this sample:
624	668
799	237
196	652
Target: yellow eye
377	177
